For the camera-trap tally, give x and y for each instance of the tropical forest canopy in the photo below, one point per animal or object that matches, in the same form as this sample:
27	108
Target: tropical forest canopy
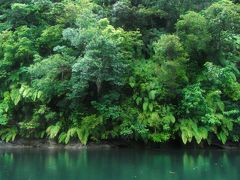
136	70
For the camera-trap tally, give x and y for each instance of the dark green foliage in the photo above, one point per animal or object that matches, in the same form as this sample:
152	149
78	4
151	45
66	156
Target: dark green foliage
150	71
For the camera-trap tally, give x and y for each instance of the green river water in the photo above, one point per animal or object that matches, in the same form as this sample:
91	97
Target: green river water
119	164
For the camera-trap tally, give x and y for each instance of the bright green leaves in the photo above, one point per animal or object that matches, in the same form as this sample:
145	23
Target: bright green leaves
223	21
71	133
15	96
193	101
17	49
29	35
51	76
20	13
193	30
3	119
224	78
53	130
89	127
222	137
106	53
8	134
5	107
145	105
108	106
224	16
152	94
50	38
159	123
34	13
156	118
205	109
28	92
80	70
100	63
213	100
146	84
169	48
21	43
223	134
74	132
189	130
172	58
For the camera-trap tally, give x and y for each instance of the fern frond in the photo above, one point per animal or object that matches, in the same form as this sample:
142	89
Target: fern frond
8	134
53	130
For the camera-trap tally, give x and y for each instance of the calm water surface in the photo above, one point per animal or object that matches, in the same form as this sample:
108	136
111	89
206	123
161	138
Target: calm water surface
124	164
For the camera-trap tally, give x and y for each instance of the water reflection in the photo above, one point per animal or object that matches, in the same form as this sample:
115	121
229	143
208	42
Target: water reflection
119	165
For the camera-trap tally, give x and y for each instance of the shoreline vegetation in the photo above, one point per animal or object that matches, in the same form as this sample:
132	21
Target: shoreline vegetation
46	144
154	72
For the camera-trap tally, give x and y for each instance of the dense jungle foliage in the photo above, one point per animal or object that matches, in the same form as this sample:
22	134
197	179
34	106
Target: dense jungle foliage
141	70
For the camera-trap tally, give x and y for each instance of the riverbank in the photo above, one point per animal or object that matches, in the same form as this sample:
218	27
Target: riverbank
51	144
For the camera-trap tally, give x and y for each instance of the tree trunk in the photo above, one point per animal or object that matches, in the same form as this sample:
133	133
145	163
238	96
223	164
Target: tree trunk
99	85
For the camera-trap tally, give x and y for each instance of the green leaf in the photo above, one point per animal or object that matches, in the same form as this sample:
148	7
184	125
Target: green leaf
53	130
83	136
15	96
152	94
138	100
8	134
150	107
145	106
132	82
62	137
222	137
184	138
3	119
